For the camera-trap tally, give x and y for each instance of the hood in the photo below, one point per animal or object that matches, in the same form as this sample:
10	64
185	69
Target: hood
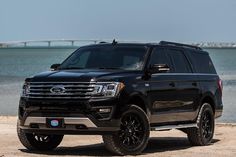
84	75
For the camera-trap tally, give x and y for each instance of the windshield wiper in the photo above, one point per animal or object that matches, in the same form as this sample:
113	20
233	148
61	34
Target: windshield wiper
108	68
68	68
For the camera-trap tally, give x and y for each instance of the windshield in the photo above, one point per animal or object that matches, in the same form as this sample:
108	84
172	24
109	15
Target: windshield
109	57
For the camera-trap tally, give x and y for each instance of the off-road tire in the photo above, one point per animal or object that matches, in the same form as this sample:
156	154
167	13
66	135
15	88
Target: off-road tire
196	136
114	142
31	143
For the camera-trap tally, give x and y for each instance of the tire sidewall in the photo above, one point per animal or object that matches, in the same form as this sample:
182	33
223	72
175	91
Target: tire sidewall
28	140
138	111
206	108
54	141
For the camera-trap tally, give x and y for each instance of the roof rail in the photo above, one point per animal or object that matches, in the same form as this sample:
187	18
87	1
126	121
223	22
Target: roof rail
179	44
103	42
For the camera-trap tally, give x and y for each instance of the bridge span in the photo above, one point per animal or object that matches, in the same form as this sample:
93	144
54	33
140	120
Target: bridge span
81	42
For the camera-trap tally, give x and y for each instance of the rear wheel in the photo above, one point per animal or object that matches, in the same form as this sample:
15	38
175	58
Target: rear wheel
133	135
41	142
206	124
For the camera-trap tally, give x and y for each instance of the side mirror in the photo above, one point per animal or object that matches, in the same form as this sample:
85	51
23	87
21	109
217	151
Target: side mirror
159	68
54	67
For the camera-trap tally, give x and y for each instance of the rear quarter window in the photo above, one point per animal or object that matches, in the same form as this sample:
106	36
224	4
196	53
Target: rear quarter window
202	63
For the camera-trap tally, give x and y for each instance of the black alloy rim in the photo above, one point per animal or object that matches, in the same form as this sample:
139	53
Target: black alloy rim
207	125
41	138
131	131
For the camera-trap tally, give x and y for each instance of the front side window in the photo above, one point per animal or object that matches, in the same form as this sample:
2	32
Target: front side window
110	57
159	56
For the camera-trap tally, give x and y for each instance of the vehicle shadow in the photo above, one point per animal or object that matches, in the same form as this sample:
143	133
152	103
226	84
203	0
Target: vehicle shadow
156	144
162	144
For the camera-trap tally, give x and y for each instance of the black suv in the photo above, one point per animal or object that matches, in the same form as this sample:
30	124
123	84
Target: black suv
122	91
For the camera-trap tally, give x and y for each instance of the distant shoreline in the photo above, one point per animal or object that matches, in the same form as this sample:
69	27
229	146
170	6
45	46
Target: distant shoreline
75	47
42	47
75	43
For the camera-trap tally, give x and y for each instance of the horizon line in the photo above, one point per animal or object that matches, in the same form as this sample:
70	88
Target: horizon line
78	42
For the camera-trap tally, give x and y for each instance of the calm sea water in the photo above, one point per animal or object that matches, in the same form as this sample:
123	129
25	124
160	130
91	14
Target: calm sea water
18	63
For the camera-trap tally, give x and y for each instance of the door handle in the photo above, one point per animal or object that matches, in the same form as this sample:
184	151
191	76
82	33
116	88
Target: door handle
194	83
172	84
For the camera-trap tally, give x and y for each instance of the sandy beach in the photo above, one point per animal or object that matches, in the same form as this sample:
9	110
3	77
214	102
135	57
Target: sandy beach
166	143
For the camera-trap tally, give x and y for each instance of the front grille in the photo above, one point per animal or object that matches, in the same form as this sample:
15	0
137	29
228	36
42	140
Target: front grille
60	90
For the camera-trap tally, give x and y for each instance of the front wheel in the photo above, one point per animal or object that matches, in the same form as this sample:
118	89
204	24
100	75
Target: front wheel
40	142
134	133
206	124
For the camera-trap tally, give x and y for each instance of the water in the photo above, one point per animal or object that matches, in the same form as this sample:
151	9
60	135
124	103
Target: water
18	63
225	63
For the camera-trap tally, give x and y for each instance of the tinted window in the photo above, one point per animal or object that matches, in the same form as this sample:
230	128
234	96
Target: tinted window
159	56
180	62
81	61
202	63
107	57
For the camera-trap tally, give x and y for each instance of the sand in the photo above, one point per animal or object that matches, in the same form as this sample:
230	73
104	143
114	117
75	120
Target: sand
164	144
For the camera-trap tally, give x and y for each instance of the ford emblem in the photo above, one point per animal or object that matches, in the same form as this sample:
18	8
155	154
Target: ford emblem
54	123
57	89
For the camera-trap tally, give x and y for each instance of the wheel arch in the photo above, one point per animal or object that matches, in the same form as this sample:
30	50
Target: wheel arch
139	100
209	98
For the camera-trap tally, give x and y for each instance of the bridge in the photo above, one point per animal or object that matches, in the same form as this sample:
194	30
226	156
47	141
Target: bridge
80	42
50	43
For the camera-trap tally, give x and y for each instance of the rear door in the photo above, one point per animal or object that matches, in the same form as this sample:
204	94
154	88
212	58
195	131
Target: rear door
187	86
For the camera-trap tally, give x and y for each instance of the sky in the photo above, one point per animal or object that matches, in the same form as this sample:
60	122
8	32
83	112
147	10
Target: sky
141	20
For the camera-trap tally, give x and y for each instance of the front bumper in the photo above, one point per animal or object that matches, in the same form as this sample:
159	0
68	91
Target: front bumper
78	117
72	125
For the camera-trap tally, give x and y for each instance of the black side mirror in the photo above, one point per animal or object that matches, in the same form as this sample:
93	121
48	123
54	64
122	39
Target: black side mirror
54	66
159	68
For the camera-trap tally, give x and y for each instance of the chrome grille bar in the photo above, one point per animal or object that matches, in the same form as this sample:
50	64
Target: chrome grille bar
43	97
60	94
72	85
71	90
67	90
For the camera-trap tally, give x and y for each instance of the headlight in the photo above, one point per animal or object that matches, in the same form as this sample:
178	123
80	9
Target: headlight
25	89
107	89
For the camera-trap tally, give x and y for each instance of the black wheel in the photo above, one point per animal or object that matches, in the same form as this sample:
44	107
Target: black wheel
40	142
206	124
133	135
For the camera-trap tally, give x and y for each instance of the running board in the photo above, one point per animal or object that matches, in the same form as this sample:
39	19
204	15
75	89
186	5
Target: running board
179	126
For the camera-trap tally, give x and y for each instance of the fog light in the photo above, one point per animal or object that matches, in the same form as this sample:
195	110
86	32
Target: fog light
104	110
34	125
